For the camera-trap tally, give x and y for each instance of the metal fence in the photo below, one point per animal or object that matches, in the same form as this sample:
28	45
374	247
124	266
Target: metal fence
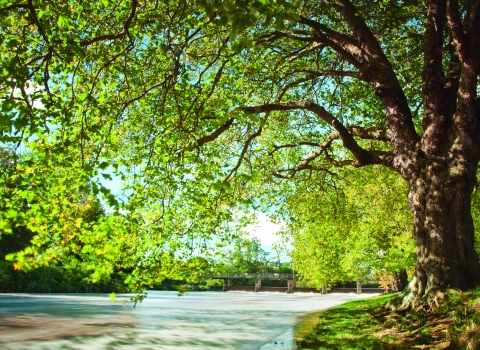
263	276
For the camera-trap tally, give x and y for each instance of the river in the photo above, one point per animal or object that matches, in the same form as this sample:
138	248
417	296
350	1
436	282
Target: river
199	320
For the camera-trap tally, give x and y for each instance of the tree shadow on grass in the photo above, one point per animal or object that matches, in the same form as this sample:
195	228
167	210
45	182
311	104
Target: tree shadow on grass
348	326
364	324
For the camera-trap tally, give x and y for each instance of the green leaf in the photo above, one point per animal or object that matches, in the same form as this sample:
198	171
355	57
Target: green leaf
63	22
12	213
106	176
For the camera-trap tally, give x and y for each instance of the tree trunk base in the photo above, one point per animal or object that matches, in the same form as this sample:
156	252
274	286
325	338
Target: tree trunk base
413	299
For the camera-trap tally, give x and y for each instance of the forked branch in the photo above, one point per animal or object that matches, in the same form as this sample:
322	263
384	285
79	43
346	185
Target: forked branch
376	157
348	141
124	32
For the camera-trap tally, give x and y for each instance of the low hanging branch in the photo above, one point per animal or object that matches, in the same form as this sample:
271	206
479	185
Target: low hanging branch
363	157
379	157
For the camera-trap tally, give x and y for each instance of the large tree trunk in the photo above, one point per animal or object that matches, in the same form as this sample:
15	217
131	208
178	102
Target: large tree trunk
399	281
443	227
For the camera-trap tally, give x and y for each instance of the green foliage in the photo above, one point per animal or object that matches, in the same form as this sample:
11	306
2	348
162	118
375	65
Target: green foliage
476	218
247	255
354	227
16	241
54	279
364	324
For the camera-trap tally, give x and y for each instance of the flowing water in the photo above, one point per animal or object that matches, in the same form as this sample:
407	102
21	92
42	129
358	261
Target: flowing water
199	320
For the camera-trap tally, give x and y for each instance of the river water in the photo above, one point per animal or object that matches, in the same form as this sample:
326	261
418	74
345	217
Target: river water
199	320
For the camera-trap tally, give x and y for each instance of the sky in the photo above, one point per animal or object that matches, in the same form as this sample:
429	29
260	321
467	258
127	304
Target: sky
265	230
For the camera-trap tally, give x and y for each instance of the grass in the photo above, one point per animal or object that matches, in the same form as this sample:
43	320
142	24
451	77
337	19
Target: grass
453	323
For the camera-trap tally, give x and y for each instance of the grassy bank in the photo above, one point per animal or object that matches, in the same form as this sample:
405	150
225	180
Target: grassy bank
363	324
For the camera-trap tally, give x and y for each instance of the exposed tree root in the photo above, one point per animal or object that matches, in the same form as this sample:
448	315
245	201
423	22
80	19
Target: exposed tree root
431	321
412	299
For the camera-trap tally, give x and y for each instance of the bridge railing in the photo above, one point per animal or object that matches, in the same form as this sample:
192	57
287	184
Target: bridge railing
263	276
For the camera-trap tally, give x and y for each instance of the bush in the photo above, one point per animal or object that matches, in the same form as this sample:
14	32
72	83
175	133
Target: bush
53	279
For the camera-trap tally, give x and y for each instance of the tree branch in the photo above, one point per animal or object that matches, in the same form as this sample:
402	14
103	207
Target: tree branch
330	73
366	41
456	26
452	78
123	33
36	21
293	145
245	148
339	164
15	6
433	75
276	35
341	43
305	51
365	53
376	70
376	157
344	41
213	136
471	26
364	133
305	163
370	133
362	156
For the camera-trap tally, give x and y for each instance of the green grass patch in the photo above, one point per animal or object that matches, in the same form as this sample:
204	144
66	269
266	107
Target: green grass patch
452	322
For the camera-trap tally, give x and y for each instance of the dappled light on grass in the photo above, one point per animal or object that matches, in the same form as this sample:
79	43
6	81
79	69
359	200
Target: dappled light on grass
365	324
344	327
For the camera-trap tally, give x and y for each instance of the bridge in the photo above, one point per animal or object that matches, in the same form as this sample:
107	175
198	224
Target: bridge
258	277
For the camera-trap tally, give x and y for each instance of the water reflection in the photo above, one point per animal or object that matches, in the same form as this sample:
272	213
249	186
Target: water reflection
287	339
305	324
208	320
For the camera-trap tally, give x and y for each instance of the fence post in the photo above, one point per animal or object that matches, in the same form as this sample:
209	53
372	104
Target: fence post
226	284
290	286
258	285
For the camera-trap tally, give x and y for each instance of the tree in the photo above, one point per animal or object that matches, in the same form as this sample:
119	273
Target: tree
247	256
357	226
192	93
13	237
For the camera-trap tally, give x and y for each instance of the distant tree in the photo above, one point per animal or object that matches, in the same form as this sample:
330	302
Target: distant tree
13	237
354	228
247	255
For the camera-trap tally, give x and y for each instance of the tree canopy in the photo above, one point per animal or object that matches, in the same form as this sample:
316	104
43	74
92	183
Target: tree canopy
189	101
357	228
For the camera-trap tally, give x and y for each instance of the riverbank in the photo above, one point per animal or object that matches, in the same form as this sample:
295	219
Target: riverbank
362	324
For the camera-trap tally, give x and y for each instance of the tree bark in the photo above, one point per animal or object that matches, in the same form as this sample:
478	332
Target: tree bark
359	286
399	281
440	200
